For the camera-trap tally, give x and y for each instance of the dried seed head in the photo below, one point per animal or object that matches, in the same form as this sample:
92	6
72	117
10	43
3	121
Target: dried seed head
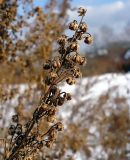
45	106
53	134
51	119
57	63
19	139
77	74
40	145
76	58
83	61
38	9
59	126
61	101
88	40
19	126
15	118
11	130
62	40
46	66
49	144
70	80
41	110
48	80
18	130
83	27
82	11
68	96
53	75
62	50
80	35
54	89
73	25
55	102
74	46
52	111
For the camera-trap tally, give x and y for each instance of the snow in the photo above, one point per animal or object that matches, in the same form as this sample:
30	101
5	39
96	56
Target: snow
87	90
100	85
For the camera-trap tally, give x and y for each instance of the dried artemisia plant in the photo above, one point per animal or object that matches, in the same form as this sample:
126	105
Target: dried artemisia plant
27	139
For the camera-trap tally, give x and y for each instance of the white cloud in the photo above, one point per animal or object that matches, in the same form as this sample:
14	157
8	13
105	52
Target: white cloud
114	15
110	8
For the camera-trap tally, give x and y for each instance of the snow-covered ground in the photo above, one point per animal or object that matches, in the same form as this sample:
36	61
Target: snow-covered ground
86	92
99	85
90	89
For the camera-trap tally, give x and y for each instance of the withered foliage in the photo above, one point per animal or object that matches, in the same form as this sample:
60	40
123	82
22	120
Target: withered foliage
27	36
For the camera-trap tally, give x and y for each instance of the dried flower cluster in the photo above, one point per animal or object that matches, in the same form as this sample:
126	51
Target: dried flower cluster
8	12
27	139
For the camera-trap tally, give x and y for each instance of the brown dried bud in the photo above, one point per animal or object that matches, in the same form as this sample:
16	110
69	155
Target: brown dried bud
48	80
83	61
41	110
80	35
70	80
88	40
76	58
62	50
73	25
45	106
74	46
54	89
55	102
19	139
46	66
52	111
38	9
40	145
15	118
61	101
18	130
53	75
83	27
53	134
57	63
51	119
49	144
77	74
68	96
11	130
59	126
62	40
82	11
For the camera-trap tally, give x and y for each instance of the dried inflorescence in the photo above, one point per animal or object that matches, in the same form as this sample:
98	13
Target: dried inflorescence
28	139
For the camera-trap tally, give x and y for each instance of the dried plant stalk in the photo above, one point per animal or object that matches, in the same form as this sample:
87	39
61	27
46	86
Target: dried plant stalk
26	140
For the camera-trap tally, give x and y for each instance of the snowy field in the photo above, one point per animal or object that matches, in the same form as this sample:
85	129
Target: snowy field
86	92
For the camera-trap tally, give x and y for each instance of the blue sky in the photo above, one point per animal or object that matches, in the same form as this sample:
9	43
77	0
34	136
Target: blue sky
101	12
114	14
93	2
81	2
